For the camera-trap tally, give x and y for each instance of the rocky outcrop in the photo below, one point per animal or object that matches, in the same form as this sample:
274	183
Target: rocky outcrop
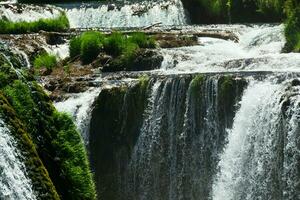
143	60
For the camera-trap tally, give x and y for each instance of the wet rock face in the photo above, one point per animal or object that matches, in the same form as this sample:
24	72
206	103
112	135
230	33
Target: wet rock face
113	135
171	41
147	60
143	60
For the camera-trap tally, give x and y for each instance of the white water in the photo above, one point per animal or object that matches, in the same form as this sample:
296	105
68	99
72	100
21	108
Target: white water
14	183
28	12
61	51
258	49
130	15
250	167
80	107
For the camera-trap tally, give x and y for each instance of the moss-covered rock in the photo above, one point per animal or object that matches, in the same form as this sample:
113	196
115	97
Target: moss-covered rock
54	152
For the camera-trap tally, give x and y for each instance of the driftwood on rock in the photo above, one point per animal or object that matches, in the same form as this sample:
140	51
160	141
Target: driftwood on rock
225	35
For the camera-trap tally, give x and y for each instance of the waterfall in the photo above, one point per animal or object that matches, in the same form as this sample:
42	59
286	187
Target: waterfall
13	181
129	15
182	133
261	159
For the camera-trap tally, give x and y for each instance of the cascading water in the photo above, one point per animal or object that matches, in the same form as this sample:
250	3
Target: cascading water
258	49
190	142
14	183
138	14
79	107
261	159
183	131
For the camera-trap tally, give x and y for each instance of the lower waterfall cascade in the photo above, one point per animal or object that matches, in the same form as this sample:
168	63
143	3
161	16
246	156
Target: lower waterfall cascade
261	157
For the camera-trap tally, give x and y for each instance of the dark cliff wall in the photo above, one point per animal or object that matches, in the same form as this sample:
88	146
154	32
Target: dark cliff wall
114	129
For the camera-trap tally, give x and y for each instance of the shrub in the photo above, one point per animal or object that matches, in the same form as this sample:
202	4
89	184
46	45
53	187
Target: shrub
45	60
58	24
142	40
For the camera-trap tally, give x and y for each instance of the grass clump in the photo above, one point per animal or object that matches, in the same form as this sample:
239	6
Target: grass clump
59	24
87	46
142	40
90	44
45	60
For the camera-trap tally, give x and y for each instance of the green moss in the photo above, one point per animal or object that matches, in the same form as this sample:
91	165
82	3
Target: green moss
143	82
35	168
60	23
196	83
61	166
74	162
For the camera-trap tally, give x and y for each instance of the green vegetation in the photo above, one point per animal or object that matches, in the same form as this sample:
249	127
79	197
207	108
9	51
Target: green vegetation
55	156
142	40
74	163
224	11
292	26
197	82
53	1
90	44
58	24
45	60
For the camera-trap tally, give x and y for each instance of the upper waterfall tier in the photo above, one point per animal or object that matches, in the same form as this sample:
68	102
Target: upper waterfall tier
139	14
24	12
